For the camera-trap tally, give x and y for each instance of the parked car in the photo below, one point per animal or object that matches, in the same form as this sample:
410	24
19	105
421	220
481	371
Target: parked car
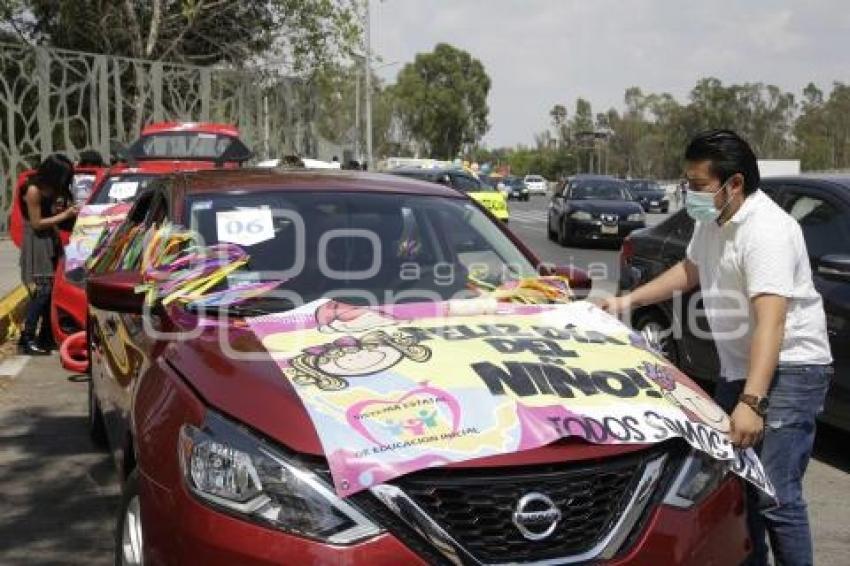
515	188
822	206
69	305
593	208
488	196
162	148
649	194
536	184
221	463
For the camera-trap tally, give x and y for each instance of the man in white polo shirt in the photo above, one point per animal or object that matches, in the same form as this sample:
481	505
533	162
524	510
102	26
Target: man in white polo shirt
749	258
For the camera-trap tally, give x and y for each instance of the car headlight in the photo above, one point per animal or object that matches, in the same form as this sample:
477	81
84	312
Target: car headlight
581	215
525	190
699	477
230	468
636	217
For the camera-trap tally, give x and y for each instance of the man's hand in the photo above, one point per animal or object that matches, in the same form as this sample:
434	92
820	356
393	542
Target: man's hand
614	305
747	426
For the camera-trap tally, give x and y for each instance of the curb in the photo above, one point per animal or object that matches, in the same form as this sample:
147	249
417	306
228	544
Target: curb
12	310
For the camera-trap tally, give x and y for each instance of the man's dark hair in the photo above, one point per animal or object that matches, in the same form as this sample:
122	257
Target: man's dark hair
90	158
728	153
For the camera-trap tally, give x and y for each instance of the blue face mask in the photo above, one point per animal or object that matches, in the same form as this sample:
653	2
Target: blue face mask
700	206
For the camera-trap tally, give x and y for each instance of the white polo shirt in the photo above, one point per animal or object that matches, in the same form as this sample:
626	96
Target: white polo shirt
760	250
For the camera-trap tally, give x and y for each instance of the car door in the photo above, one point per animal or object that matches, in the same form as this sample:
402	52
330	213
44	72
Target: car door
118	340
697	356
824	216
558	205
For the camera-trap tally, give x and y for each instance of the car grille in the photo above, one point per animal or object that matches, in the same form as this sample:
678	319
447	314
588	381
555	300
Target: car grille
476	507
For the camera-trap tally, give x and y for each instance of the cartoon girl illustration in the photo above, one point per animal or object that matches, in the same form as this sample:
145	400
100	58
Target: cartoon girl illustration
696	405
328	366
334	316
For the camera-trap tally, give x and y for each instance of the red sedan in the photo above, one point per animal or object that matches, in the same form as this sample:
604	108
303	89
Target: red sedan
163	147
222	463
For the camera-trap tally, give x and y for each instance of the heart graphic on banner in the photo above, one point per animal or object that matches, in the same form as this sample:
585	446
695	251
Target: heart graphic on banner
423	412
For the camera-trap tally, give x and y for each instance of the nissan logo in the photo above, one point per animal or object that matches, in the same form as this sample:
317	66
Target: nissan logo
536	516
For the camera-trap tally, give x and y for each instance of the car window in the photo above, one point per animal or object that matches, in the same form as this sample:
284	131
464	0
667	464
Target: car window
121	188
586	190
359	246
825	229
469	184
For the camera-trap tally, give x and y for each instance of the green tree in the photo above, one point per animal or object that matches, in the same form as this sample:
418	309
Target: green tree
304	34
442	100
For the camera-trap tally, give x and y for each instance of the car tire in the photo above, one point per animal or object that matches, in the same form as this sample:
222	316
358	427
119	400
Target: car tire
525	198
553	234
665	209
129	539
655	329
563	236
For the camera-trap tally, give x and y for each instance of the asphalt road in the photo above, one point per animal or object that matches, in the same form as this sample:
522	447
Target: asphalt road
58	494
601	261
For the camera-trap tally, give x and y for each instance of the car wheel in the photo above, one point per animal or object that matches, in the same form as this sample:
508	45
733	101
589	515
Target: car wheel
553	234
664	209
655	329
563	236
129	540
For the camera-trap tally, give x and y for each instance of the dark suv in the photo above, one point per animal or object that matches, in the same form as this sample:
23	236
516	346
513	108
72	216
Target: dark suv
822	207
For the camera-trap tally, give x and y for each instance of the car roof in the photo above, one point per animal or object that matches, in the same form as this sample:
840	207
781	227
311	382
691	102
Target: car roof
197	127
587	176
425	171
331	180
834	179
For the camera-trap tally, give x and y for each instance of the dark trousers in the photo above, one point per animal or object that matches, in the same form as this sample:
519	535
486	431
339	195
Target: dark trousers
37	321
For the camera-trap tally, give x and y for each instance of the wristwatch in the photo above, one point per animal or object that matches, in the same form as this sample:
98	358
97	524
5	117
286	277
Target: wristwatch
756	403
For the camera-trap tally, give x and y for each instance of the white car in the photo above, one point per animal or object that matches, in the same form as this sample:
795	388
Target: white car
536	184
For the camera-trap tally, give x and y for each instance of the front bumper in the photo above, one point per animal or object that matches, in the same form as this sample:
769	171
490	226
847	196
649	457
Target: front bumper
180	530
596	230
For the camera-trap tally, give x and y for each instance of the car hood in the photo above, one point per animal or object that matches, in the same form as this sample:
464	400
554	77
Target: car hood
620	207
256	393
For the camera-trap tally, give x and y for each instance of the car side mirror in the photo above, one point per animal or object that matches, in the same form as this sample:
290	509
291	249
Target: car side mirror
116	292
834	265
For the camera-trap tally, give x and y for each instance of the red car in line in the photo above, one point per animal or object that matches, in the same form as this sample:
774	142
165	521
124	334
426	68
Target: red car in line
162	148
189	426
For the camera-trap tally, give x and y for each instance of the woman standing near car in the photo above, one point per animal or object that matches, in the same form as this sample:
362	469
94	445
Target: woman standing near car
43	207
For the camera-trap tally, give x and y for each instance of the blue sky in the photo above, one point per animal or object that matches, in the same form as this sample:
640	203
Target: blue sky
542	52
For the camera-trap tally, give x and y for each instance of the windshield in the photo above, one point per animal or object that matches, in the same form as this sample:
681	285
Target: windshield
644	186
598	190
359	247
121	188
469	184
533	179
184	145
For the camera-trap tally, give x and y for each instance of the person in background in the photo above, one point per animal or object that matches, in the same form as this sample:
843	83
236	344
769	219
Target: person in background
44	208
749	258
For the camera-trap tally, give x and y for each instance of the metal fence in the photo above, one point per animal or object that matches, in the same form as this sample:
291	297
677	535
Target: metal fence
58	100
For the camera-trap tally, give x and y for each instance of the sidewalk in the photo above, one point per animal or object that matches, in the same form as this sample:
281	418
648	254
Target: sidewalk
58	493
12	293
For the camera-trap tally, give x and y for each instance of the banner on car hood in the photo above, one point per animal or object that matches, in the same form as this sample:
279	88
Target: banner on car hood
91	222
398	389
